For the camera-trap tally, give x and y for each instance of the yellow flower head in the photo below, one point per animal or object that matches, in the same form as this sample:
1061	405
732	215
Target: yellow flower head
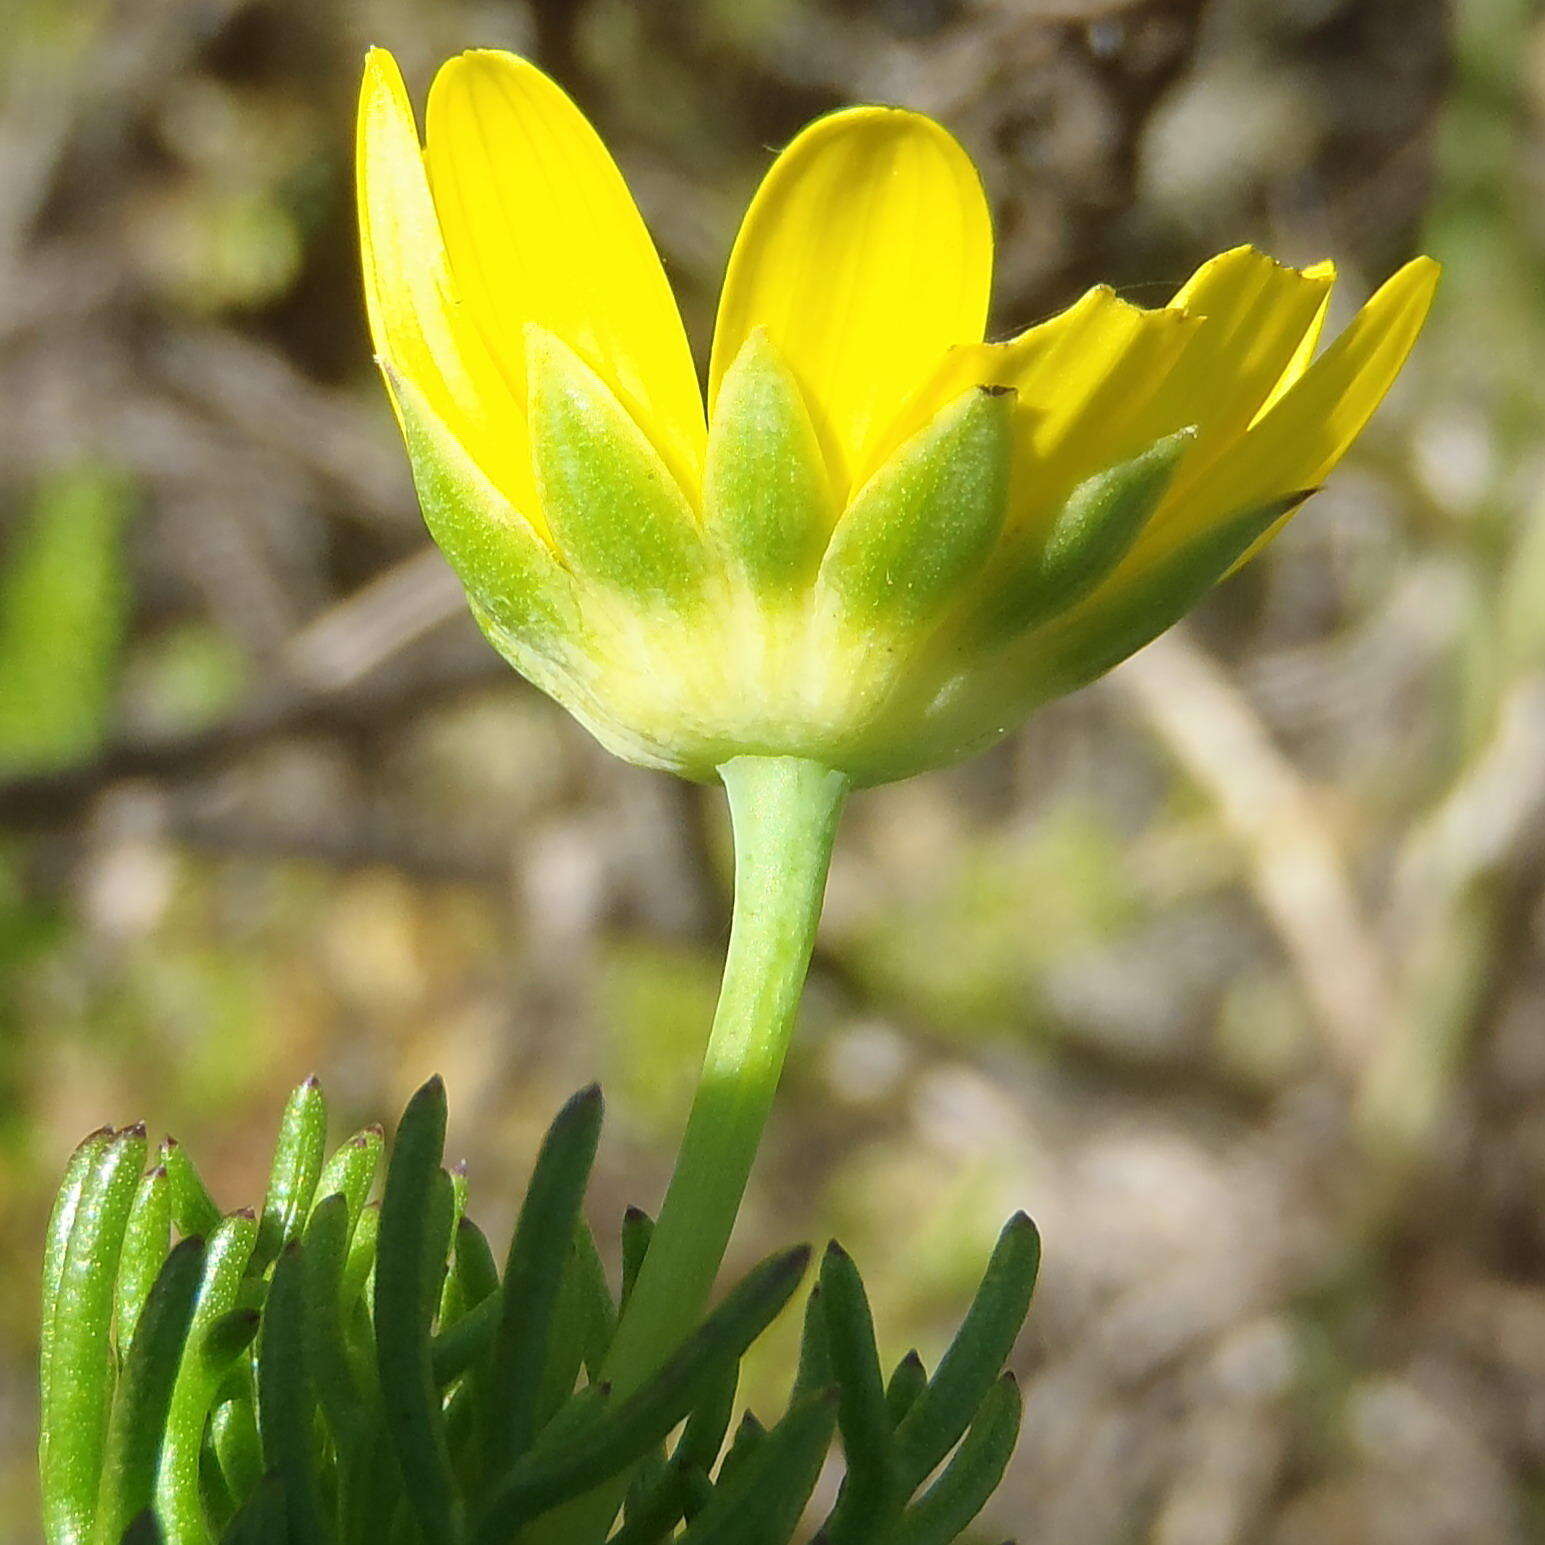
886	541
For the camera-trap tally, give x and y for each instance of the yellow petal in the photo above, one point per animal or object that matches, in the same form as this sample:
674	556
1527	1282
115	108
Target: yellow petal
415	320
1256	316
1082	399
541	228
1303	355
1295	443
866	254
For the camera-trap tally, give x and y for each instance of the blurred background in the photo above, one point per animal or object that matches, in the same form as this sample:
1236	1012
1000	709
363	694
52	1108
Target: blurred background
1230	969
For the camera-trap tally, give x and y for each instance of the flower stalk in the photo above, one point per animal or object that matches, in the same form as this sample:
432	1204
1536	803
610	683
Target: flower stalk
785	813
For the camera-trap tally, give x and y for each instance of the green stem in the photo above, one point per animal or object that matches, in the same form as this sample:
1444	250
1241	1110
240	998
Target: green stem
784	811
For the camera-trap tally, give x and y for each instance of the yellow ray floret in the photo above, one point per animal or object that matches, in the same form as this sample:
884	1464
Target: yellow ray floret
540	227
866	253
416	320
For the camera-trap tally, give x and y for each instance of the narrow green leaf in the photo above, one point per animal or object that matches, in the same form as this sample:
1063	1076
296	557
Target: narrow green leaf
325	1255
233	1433
1042	573
945	1510
815	1361
766	497
925	523
146	1240
219	1504
578	1419
406	1286
637	1231
699	1491
373	1493
78	1355
871	1494
763	1503
193	1208
351	1171
551	1474
749	1437
451	1306
287	1401
457	1347
362	1252
533	1274
439	1221
178	1500
475	1266
600	1310
567	1338
292	1181
619	516
971	1365
663	1492
907	1382
655	1510
61	1221
135	1432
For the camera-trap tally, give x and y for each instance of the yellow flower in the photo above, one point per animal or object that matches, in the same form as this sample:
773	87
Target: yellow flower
885	541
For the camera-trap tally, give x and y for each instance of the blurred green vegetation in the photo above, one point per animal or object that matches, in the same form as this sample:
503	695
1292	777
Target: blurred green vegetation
1228	969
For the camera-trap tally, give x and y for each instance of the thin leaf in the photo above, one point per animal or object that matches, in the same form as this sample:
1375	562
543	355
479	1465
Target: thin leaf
871	1493
405	1291
637	1231
138	1424
286	1401
178	1499
193	1208
78	1354
351	1171
981	1346
326	1253
56	1242
971	1477
146	1240
292	1181
533	1275
908	1380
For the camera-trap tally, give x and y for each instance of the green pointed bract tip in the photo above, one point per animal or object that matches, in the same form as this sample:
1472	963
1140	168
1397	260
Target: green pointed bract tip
509	572
618	516
1045	572
767	499
925	523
